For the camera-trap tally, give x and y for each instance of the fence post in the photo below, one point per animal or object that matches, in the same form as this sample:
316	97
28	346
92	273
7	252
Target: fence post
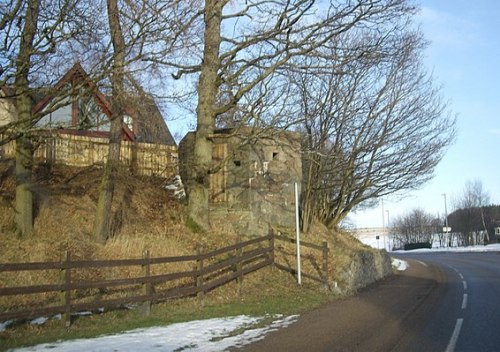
147	286
271	246
239	279
325	264
199	275
66	293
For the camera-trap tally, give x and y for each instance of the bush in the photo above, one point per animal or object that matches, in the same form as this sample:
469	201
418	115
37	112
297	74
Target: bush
410	246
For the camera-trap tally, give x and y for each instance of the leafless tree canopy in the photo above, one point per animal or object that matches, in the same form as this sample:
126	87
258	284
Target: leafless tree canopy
472	216
374	123
415	227
249	51
346	73
56	26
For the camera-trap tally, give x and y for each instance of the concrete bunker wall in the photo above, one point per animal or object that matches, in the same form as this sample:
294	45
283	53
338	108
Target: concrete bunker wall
254	187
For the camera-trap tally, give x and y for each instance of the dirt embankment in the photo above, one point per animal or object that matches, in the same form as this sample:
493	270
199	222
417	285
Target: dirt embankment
146	216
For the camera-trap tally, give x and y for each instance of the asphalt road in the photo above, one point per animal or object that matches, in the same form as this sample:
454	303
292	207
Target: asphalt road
443	302
470	303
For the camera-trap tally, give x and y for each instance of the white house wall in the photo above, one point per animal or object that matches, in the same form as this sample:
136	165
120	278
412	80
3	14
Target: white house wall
7	111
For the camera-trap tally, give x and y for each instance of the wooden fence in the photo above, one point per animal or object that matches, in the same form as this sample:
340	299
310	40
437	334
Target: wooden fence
82	151
209	270
320	274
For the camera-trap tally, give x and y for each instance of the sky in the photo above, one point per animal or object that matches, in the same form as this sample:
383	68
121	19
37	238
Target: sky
464	57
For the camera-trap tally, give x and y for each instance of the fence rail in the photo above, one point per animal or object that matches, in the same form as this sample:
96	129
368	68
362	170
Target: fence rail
209	270
321	273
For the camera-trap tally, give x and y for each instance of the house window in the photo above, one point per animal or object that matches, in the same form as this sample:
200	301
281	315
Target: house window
90	116
129	122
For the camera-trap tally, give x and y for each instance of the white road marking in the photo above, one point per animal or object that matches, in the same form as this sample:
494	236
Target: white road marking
464	301
461	276
454	336
465	285
421	262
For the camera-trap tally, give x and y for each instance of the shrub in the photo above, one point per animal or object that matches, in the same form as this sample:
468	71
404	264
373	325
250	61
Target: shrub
410	246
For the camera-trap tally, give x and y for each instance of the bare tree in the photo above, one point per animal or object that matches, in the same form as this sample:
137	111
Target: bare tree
469	216
143	35
74	30
106	192
246	47
374	123
24	152
415	227
31	34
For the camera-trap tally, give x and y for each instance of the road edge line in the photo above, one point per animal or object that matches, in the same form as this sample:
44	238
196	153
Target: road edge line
454	336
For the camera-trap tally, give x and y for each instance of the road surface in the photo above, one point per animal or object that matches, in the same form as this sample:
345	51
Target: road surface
443	302
471	302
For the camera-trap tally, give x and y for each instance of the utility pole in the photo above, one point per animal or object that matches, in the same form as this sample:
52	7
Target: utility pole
446	228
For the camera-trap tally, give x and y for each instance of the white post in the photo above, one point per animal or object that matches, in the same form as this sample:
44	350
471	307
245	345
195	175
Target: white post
297	231
388	229
383	224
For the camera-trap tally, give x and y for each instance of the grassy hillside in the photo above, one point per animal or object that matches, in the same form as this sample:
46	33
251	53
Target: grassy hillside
147	216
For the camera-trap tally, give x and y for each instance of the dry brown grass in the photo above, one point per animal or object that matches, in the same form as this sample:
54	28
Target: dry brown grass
343	250
146	217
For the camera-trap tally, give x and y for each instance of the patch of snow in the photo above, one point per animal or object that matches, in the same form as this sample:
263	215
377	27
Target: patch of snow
39	321
83	314
481	248
201	335
176	186
4	325
400	265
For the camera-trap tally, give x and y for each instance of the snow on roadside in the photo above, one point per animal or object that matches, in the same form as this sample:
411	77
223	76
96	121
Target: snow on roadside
402	265
200	335
399	264
495	247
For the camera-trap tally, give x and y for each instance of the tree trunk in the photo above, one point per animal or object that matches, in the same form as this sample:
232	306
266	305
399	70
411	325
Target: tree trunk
199	180
484	225
24	150
24	197
106	192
